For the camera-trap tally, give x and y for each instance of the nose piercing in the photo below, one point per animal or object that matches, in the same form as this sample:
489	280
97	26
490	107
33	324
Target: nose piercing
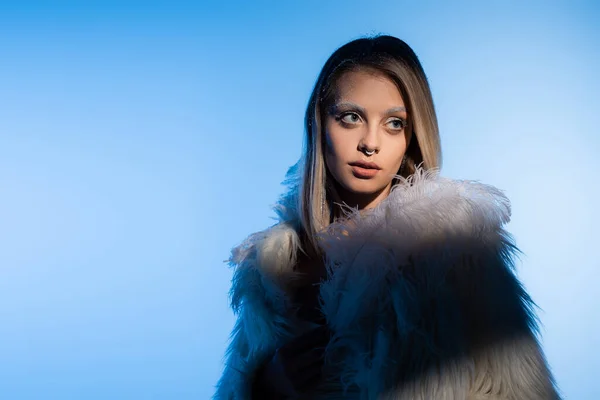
368	152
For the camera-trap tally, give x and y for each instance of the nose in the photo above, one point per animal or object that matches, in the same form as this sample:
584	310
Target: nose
370	140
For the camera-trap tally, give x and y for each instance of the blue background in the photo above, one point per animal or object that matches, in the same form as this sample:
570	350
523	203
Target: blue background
140	141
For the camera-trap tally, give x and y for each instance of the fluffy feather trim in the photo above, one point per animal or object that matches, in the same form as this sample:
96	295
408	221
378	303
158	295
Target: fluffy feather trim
418	290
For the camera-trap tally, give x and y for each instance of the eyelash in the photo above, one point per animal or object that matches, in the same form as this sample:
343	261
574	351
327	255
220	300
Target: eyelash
341	116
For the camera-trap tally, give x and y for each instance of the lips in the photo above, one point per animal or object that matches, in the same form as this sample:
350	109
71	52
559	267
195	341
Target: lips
364	170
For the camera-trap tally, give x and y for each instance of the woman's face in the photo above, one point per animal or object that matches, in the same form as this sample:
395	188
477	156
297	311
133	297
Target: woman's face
367	115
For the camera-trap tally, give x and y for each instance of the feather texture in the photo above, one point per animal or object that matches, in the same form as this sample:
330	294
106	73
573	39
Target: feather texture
421	297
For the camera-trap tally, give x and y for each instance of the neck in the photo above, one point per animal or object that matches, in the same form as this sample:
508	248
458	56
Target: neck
358	201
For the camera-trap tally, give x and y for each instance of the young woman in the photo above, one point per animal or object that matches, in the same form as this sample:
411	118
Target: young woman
381	280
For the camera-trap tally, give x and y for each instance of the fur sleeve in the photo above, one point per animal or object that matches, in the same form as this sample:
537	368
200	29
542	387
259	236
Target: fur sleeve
500	325
260	304
236	380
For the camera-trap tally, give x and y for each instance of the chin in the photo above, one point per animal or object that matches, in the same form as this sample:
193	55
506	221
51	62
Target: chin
363	186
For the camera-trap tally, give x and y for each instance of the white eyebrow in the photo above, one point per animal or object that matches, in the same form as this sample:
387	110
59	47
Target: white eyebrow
362	110
395	110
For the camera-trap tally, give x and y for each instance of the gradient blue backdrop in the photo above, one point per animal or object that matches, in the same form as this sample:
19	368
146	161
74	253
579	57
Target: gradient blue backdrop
140	141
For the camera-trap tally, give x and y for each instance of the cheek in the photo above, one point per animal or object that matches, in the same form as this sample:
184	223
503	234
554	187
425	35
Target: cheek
330	153
338	141
334	153
393	157
332	145
329	145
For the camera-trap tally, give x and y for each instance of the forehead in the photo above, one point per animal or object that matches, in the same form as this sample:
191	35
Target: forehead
368	86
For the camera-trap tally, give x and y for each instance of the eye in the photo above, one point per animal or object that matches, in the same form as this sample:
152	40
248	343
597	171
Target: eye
397	124
349	118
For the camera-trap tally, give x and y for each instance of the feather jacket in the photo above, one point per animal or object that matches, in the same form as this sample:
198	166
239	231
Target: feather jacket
421	298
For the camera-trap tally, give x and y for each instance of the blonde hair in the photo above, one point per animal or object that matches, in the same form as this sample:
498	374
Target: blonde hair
397	61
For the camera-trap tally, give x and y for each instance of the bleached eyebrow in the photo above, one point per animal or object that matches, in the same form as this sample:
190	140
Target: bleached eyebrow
395	110
348	105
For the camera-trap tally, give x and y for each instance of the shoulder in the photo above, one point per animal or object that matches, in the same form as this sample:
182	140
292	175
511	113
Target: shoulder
429	200
262	264
272	250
